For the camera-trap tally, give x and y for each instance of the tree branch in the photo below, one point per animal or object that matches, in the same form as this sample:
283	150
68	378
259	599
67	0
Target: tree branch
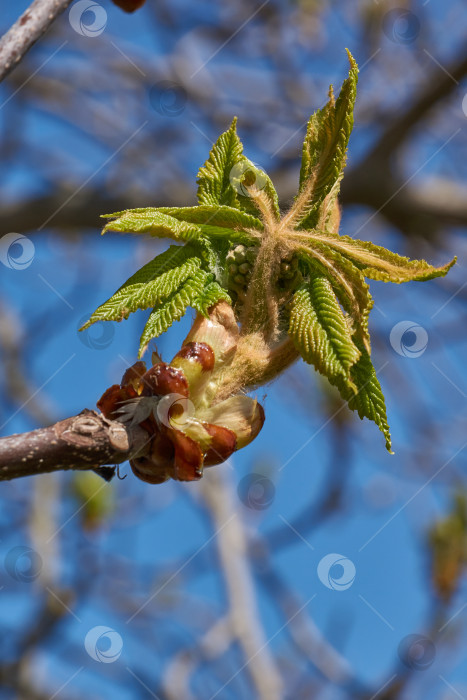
439	85
246	626
80	212
85	441
377	182
27	30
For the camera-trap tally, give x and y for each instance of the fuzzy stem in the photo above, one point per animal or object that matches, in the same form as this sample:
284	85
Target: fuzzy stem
261	307
255	363
300	206
262	202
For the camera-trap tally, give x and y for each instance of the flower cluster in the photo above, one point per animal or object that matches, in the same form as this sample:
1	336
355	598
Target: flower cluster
176	404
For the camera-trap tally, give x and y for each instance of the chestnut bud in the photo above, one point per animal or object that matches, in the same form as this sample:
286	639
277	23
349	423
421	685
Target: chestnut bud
223	443
188	461
143	468
113	399
129	5
196	360
163	379
133	375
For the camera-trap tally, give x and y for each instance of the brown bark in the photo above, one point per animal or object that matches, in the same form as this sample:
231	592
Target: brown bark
85	441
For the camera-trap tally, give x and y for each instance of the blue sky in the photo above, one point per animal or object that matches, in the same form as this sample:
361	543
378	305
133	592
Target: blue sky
387	508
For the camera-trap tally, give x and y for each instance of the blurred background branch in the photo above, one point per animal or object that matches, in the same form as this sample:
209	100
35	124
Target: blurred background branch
27	30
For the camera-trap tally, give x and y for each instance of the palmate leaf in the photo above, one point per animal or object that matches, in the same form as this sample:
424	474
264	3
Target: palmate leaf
227	174
214	185
245	175
378	263
210	295
155	281
214	233
369	399
173	308
348	284
325	147
215	215
151	220
189	223
321	333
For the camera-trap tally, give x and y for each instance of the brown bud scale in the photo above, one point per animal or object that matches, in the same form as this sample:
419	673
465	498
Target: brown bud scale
163	379
198	352
134	374
224	443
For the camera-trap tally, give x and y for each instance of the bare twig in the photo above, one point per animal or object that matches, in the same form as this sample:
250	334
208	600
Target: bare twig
85	441
27	30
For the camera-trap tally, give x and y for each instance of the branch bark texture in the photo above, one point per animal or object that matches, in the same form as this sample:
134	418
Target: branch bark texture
85	441
27	30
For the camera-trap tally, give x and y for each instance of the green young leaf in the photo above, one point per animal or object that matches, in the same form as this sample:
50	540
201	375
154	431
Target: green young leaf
165	313
378	263
325	147
152	221
214	187
227	174
245	175
214	215
369	399
156	281
210	295
348	284
214	251
214	233
320	332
